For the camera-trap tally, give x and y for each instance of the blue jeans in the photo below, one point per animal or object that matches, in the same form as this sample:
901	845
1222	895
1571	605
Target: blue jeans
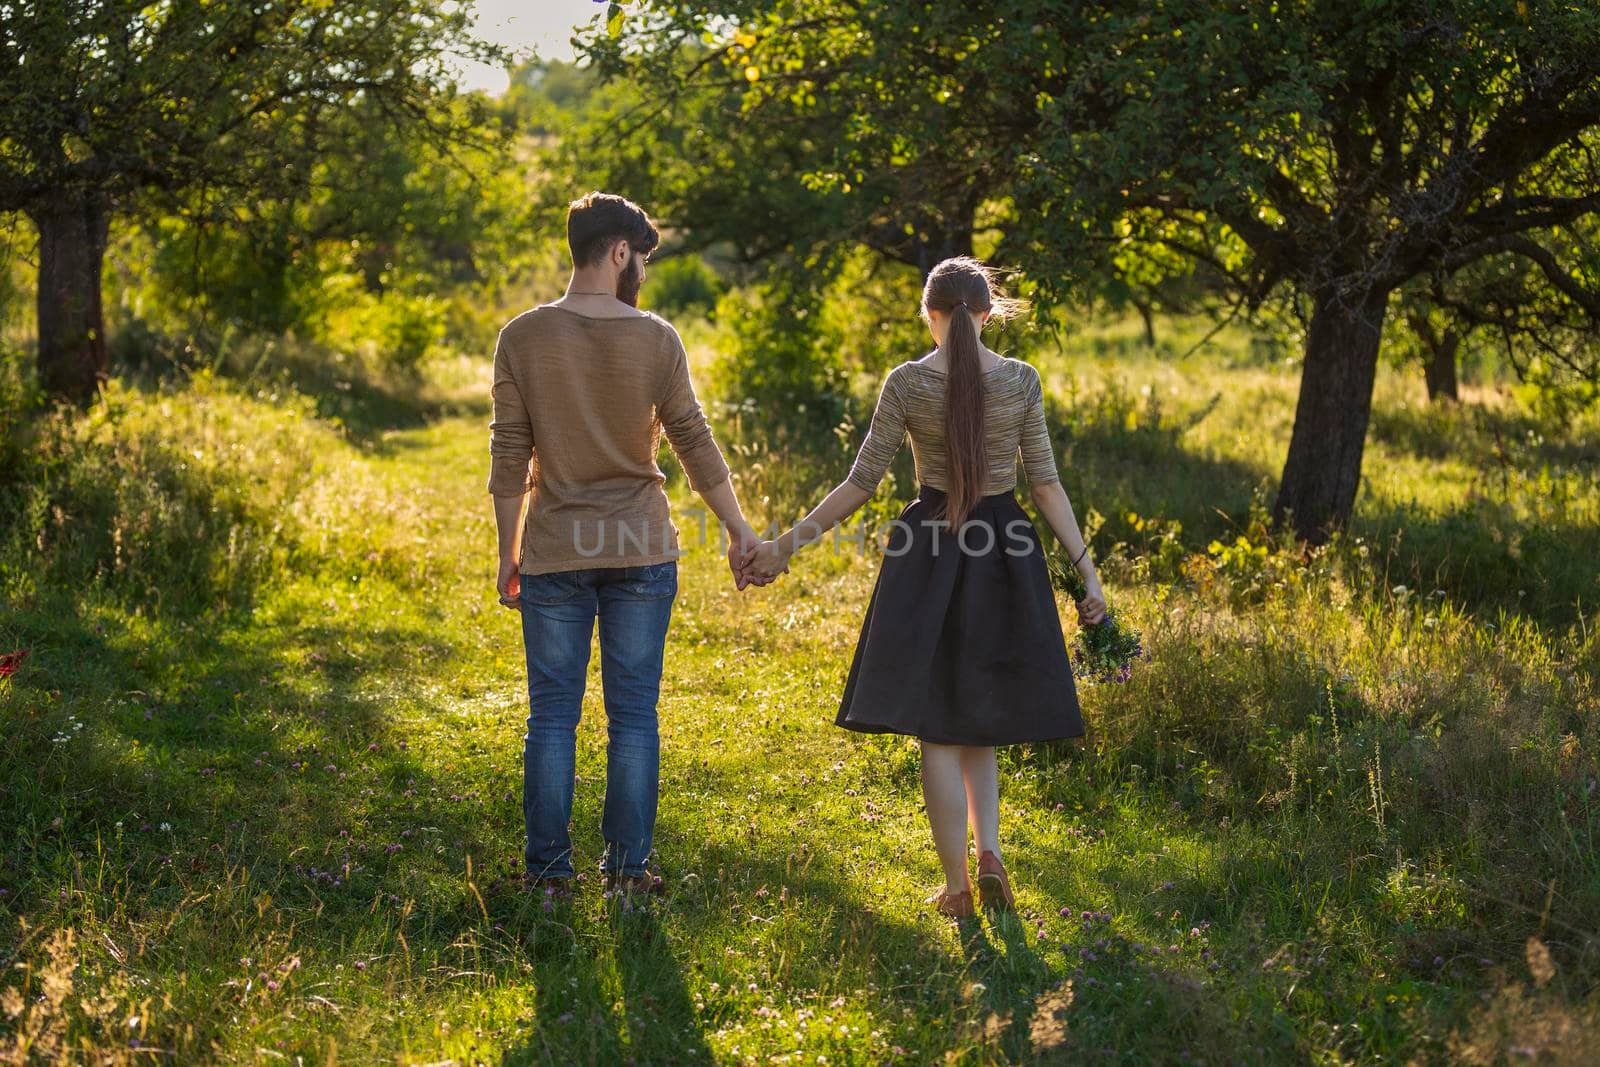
634	605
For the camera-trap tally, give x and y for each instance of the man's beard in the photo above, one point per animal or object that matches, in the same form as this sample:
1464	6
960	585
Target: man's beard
628	283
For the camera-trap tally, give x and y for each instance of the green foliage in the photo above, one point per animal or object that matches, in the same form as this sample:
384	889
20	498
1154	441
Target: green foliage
1554	398
545	97
1520	531
1156	551
182	497
1139	144
395	246
779	364
258	273
19	398
1279	154
212	110
682	286
1113	418
127	97
842	107
871	313
398	328
16	239
164	500
1254	564
783	406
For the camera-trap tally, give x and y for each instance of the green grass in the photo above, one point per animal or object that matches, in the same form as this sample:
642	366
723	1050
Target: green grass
260	777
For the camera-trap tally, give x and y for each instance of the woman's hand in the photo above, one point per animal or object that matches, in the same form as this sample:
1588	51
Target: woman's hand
509	584
767	562
1092	608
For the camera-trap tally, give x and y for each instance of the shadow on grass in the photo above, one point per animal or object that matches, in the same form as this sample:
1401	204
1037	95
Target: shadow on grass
655	1019
1479	436
1017	982
1335	846
1486	557
821	934
573	1020
268	747
1488	560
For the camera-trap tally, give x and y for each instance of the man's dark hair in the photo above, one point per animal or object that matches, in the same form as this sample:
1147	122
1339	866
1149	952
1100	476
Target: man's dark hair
598	220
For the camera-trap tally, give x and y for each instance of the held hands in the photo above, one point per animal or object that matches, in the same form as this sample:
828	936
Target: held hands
766	561
741	543
743	546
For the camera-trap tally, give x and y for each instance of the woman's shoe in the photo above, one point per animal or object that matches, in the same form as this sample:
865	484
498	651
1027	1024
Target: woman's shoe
994	888
952	905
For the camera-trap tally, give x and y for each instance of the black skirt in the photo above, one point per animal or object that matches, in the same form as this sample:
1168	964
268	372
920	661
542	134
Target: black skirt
962	644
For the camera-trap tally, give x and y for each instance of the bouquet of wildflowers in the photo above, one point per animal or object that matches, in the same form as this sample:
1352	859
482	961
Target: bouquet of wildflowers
1106	650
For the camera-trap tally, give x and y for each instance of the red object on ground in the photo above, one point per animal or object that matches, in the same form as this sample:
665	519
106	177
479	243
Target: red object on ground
11	661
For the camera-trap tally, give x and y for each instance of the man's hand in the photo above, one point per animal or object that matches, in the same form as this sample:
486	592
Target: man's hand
741	542
508	531
509	584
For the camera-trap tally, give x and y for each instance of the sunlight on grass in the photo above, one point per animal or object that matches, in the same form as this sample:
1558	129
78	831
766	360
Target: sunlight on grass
262	768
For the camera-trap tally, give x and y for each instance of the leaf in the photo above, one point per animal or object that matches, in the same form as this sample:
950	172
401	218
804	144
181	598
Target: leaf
614	16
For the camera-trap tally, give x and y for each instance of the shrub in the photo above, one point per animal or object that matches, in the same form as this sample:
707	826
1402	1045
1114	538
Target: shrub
782	395
182	496
682	286
19	399
392	329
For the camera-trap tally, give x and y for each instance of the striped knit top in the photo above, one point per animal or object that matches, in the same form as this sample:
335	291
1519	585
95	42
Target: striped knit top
913	401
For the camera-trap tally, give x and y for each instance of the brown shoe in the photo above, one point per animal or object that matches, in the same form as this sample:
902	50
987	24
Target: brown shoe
952	905
634	884
994	888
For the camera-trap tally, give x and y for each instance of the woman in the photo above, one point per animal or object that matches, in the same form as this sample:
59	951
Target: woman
961	647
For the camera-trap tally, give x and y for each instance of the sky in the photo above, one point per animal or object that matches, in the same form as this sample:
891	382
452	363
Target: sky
543	25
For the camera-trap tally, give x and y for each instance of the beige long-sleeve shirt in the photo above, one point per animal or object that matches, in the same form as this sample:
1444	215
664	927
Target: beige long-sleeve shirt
579	407
913	401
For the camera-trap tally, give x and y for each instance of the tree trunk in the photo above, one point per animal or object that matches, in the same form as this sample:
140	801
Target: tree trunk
1440	370
1323	470
1147	313
925	255
72	228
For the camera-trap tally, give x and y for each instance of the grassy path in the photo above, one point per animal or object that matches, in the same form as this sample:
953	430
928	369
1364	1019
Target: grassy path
285	834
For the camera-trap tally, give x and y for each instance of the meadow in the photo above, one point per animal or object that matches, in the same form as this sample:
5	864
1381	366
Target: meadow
260	769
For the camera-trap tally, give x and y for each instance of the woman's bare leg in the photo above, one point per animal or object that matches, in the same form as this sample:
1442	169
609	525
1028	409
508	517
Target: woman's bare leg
981	774
946	798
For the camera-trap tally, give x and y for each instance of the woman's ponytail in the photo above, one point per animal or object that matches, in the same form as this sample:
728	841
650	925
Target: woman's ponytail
963	288
963	415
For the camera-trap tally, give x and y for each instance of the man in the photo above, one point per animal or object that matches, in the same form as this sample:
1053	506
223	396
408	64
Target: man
582	389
